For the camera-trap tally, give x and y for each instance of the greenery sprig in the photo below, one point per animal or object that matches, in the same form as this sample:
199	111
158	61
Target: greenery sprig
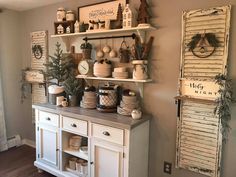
24	85
210	37
73	86
86	45
223	103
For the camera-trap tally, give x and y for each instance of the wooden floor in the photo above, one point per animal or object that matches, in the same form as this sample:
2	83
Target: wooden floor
18	162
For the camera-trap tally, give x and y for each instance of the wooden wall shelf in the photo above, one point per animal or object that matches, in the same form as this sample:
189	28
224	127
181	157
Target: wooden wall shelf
98	32
112	79
70	38
139	83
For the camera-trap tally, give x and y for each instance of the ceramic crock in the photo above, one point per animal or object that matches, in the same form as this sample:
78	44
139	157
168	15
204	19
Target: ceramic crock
61	14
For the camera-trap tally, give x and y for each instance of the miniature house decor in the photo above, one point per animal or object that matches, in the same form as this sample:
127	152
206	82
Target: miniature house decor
129	17
68	29
60	29
76	26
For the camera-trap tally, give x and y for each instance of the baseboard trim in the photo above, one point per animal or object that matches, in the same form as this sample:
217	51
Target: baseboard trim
29	143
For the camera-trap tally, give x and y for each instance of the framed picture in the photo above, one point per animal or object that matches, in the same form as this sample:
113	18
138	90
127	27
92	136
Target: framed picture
100	11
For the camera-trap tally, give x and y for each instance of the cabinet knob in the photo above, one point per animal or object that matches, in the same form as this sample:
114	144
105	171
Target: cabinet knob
57	149
106	133
48	118
91	163
73	125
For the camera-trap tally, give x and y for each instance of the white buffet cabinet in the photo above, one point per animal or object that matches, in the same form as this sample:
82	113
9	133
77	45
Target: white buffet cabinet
117	145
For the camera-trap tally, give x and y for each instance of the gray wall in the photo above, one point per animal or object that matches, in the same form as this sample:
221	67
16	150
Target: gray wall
158	96
10	60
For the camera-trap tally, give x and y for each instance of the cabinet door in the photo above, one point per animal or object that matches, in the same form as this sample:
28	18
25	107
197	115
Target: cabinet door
106	159
48	145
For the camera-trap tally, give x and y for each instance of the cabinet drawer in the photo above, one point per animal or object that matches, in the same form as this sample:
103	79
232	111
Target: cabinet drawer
49	118
75	125
114	135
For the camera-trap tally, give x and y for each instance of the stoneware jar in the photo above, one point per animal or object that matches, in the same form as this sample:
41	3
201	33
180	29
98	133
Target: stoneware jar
140	69
61	14
70	16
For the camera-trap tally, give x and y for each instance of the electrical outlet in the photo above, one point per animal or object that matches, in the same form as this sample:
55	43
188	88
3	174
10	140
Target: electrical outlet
167	167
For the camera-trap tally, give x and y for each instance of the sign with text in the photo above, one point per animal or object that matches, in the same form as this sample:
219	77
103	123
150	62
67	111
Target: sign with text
34	76
100	11
199	89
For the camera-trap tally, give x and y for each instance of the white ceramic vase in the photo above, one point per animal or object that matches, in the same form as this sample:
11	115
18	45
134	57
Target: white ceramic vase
140	70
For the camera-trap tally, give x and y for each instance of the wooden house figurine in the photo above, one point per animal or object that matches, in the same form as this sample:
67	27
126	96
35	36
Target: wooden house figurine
60	29
129	17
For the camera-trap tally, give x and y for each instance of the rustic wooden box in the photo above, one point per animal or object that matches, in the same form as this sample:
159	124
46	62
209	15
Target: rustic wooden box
65	24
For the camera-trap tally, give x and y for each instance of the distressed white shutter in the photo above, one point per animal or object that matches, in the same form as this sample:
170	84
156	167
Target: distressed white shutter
38	90
39	38
199	137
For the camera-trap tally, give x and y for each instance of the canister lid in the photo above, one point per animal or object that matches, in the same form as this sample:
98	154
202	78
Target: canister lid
55	89
61	9
108	86
69	12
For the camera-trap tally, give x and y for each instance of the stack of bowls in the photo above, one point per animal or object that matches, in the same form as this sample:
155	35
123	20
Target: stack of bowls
89	100
102	68
120	73
127	105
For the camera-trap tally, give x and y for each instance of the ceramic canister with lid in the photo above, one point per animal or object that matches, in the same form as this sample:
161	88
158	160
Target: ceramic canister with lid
61	14
70	16
107	96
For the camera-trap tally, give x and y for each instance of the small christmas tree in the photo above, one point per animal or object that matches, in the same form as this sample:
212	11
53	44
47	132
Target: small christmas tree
58	66
143	14
119	20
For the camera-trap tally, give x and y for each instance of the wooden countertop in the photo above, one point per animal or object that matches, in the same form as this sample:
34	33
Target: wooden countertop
110	119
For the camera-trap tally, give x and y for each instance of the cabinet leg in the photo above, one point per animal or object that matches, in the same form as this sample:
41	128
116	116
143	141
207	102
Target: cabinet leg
40	170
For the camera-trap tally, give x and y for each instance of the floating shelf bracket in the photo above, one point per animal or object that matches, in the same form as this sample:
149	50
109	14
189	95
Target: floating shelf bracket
142	35
40	86
68	40
140	88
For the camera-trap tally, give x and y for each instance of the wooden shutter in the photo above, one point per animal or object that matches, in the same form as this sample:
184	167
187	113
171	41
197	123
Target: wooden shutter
199	137
38	89
39	38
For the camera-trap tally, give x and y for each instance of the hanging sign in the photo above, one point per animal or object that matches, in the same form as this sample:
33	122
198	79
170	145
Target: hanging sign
34	76
199	89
